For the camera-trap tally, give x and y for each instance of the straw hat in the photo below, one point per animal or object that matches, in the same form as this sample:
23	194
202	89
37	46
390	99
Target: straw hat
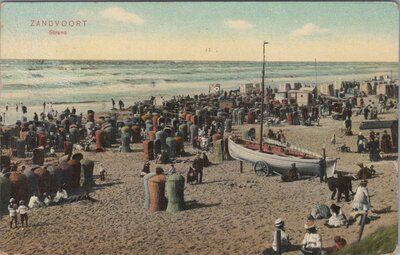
309	225
12	200
279	223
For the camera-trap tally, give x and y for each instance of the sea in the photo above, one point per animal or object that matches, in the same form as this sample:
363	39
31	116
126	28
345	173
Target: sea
94	82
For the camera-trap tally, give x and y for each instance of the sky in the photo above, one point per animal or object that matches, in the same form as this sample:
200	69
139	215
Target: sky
234	31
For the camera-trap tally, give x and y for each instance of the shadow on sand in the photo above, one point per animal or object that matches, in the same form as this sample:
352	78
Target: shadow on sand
193	204
270	251
40	224
217	181
107	184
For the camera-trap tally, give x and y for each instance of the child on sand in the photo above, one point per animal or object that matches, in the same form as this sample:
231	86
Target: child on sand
23	212
103	174
12	208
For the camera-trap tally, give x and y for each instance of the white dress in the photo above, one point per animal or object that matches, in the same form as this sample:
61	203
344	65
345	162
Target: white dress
34	202
60	195
361	200
337	220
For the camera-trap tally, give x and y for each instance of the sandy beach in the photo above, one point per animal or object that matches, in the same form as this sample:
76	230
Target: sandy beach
230	213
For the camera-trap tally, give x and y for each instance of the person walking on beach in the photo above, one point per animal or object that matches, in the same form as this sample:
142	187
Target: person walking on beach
7	106
12	209
113	103
23	212
16	107
121	105
285	242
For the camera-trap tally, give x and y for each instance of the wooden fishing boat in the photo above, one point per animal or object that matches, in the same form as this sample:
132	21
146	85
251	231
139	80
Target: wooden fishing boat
278	157
271	156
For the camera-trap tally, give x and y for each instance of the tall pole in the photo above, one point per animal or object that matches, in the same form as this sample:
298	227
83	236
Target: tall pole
316	82
262	97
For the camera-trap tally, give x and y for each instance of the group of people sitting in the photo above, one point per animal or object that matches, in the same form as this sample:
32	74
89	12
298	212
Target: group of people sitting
45	200
334	215
60	198
311	243
279	136
292	175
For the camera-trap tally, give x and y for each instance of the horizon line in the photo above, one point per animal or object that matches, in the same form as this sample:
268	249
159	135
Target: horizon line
187	60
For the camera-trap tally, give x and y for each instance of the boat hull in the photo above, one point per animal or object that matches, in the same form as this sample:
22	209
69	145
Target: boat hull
280	163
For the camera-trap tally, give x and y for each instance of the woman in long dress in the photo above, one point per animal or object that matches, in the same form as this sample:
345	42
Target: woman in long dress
361	200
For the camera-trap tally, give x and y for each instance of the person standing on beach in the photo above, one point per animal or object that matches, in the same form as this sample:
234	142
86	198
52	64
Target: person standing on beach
366	112
12	209
24	109
35	117
198	168
23	212
322	170
361	200
113	103
103	174
7	106
121	105
44	106
16	107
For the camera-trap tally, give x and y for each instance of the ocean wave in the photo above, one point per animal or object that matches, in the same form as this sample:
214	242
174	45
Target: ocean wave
36	75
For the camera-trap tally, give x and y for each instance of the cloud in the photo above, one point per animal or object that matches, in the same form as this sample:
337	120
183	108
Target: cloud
119	14
309	29
238	24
